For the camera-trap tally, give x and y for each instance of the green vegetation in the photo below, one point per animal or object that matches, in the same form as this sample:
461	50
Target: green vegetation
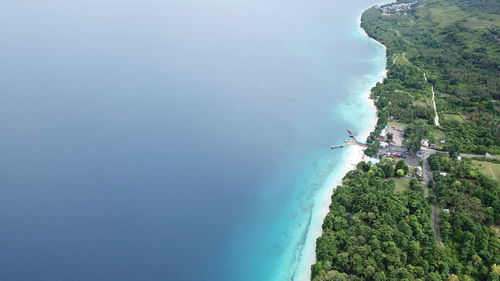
438	134
402	184
487	168
381	225
397	124
453	117
473	201
374	233
378	231
456	44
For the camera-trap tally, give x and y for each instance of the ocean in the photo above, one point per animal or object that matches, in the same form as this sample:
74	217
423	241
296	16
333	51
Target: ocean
175	140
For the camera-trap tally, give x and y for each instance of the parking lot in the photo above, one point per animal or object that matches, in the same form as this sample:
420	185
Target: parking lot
397	135
399	152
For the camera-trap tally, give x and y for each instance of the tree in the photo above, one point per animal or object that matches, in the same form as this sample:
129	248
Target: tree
401	165
495	268
473	174
390	137
372	149
414	185
453	147
379	276
400	172
388	169
365	167
415	133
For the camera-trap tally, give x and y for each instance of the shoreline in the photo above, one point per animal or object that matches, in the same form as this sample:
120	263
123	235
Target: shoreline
355	154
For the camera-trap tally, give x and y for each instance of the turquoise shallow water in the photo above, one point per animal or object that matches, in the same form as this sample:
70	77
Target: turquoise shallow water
174	140
287	253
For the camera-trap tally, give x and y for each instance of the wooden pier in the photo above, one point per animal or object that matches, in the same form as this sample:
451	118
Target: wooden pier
351	141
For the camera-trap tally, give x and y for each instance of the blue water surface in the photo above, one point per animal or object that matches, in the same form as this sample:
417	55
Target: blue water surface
173	140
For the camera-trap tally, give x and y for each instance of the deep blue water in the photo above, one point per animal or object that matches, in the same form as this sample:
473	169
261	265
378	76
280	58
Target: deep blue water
172	140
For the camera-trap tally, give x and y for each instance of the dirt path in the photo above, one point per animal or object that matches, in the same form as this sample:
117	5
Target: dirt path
436	117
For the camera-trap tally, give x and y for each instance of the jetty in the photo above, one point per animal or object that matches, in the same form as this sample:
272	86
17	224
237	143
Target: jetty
351	141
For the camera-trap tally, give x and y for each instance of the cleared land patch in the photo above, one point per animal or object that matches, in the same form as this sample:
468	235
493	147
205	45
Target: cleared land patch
397	124
402	184
453	117
487	168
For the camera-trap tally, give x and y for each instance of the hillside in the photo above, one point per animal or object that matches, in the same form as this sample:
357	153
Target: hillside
457	45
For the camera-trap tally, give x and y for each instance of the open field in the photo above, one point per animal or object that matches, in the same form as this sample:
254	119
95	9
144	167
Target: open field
400	59
453	117
446	14
438	134
397	124
487	168
402	184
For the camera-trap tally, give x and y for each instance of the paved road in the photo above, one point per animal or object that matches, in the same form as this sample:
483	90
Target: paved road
487	156
427	176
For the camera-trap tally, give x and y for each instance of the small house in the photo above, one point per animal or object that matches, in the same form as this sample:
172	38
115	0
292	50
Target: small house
384	144
374	161
418	171
425	143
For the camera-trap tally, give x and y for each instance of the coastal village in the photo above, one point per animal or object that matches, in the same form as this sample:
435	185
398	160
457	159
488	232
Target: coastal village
392	148
397	8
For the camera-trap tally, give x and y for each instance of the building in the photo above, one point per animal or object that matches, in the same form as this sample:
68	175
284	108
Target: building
383	133
418	171
424	143
384	144
374	161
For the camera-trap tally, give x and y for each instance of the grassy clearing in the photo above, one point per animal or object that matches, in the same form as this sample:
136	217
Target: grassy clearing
453	117
400	59
438	134
431	217
496	228
402	184
487	168
419	102
484	23
411	170
397	124
446	15
426	192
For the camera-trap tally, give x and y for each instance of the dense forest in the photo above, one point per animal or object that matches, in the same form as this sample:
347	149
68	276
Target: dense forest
374	232
381	224
456	44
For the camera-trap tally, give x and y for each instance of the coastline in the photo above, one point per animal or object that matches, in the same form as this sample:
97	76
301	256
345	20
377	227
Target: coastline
355	154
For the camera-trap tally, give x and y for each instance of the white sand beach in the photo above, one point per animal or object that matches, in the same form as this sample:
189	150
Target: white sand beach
355	155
